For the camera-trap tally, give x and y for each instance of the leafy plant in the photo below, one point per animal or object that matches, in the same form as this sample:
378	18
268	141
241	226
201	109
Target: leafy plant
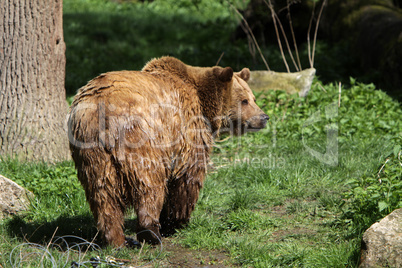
373	197
42	178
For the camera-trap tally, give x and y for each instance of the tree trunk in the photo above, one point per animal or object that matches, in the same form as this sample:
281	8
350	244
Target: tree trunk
32	71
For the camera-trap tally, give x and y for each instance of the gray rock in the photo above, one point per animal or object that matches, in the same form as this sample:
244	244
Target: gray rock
297	82
382	243
13	198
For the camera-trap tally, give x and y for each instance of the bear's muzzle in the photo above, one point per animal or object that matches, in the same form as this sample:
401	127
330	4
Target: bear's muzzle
257	122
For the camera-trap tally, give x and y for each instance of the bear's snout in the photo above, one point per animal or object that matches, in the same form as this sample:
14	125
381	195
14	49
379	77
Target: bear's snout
257	122
263	120
264	117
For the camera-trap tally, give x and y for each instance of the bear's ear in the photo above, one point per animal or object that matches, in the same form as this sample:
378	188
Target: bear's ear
223	74
245	74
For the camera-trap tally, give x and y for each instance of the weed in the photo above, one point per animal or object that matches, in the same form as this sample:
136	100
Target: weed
372	197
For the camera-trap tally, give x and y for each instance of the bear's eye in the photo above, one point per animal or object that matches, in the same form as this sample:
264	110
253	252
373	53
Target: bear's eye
244	102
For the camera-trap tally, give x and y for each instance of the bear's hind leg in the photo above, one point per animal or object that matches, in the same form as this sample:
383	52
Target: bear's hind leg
179	204
111	226
109	216
148	209
101	189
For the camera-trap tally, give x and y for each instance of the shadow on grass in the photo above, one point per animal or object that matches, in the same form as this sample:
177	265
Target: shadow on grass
82	226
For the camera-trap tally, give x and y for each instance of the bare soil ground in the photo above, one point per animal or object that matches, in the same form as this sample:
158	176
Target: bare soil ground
179	256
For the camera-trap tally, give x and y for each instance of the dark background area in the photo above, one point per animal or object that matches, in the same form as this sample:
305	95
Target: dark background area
359	38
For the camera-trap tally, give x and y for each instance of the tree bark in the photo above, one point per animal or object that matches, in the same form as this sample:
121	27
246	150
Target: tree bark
32	71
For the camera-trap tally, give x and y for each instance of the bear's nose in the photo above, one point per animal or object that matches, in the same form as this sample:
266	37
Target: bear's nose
264	117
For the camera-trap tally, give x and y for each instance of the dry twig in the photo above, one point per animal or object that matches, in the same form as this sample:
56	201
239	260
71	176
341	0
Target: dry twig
251	34
316	30
287	43
48	245
293	35
271	7
219	60
308	37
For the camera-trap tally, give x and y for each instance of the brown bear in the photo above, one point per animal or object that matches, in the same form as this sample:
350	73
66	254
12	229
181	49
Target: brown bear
143	139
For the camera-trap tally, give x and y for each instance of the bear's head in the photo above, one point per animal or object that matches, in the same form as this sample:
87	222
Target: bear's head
244	114
228	102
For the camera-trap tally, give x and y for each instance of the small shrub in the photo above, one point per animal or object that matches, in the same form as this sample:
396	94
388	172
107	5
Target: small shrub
373	197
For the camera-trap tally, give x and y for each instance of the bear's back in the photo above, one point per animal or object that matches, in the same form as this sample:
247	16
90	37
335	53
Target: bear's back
139	106
126	86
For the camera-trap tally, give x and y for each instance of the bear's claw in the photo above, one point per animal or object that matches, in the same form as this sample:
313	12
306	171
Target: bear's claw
150	235
132	243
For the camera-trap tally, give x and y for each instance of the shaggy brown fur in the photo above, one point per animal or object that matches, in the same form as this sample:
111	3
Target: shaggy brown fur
143	139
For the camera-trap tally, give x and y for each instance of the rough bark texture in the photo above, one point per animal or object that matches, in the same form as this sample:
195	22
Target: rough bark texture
32	70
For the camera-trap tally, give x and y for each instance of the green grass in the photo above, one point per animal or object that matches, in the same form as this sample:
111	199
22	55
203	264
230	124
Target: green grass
267	202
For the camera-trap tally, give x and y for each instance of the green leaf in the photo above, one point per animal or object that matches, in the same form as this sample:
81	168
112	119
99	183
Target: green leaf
397	148
382	205
351	182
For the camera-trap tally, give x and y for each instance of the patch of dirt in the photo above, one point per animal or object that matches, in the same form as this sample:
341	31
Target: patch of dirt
282	234
279	211
288	230
179	256
175	255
